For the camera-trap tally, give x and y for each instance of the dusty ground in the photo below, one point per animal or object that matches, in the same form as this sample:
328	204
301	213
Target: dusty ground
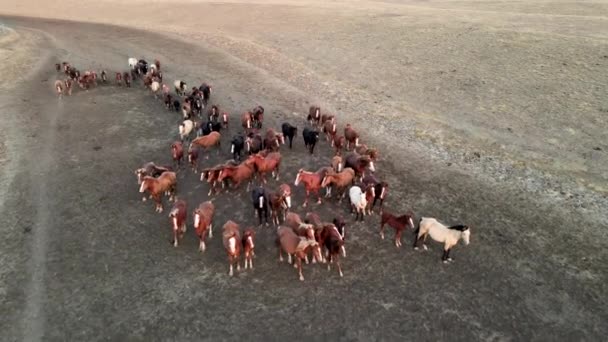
83	258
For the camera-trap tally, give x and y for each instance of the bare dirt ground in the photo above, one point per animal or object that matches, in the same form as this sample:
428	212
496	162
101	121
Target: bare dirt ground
84	259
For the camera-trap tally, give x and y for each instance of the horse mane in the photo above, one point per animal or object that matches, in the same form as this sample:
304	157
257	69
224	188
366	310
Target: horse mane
459	227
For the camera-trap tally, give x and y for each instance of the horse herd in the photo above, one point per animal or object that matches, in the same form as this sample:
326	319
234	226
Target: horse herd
352	170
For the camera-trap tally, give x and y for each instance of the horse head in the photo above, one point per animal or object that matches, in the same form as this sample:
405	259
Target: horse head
466	235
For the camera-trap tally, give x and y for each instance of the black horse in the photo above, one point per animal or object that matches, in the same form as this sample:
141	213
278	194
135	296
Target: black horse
289	132
259	198
237	145
311	136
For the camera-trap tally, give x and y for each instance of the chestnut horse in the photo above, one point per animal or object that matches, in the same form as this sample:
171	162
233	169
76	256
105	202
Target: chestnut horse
337	164
150	169
330	130
340	180
338	144
225	117
280	202
231	237
212	175
193	158
246	121
178	216
177	153
243	172
165	183
306	230
397	223
273	140
290	243
203	222
312	182
208	141
371	152
352	137
271	163
248	246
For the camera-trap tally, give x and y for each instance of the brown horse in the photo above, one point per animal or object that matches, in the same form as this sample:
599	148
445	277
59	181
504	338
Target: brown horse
248	246
118	79
177	153
165	183
246	121
337	164
340	180
290	243
327	117
127	77
203	222
178	216
59	87
333	242
338	144
68	86
371	152
193	158
330	130
312	182
238	174
225	117
231	237
352	137
314	115
208	141
378	190
280	202
211	175
398	223
273	140
359	163
264	164
306	230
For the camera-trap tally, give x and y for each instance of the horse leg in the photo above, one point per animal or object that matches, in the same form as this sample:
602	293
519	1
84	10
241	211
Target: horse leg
398	237
280	254
300	269
201	244
382	223
174	237
446	256
266	214
339	267
230	261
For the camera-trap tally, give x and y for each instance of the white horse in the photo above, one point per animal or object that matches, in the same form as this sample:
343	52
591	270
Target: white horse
155	87
358	202
185	128
180	87
132	62
449	236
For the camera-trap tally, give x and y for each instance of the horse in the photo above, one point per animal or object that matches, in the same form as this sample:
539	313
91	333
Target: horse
312	182
371	152
176	105
334	243
212	175
193	158
257	116
177	153
290	243
214	114
132	62
68	86
253	143
337	164
280	202
206	90
57	67
231	237
208	141
127	79
236	146
330	130
260	200
273	140
289	131
203	222
449	236
150	169
155	87
104	76
398	223
314	115
197	107
248	246
246	121
225	117
180	87
243	172
358	202
178	215
341	226
378	189
165	183
185	129
340	180
351	136
59	87
271	163
359	164
168	101
186	110
311	136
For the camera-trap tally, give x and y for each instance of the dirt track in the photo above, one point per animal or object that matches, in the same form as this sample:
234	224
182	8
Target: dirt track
82	250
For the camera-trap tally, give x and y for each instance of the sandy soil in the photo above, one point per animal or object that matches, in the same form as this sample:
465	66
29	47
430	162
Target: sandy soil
84	259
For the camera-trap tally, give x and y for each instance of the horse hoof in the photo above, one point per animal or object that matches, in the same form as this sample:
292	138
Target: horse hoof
445	261
416	248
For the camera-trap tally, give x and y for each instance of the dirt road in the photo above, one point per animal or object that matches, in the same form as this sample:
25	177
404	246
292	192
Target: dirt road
84	259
